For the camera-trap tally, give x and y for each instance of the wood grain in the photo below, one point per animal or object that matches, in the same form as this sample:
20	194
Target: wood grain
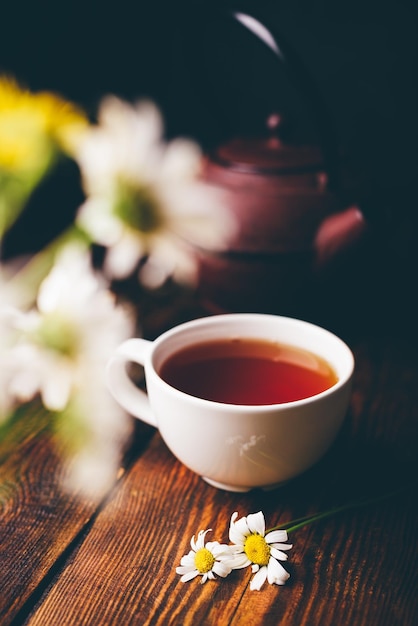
39	520
356	569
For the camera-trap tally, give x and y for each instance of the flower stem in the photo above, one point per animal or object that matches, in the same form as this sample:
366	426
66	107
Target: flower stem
304	521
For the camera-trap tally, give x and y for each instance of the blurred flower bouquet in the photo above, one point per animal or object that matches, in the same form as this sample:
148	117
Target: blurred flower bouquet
59	317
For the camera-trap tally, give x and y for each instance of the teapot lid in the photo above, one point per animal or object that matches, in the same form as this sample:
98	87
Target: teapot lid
268	154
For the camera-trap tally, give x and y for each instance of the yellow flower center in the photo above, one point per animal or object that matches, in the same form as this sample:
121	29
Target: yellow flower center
204	560
257	549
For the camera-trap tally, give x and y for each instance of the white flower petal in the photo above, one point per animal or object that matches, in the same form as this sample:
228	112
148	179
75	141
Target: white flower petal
256	523
10	316
184	569
121	259
56	390
259	579
152	276
170	257
182	160
275	536
24	385
221	569
238	530
186	577
200	542
96	218
215	547
238	561
281	546
276	573
278	554
220	550
188	559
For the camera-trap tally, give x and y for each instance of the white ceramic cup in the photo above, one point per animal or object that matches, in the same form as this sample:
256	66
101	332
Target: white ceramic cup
237	447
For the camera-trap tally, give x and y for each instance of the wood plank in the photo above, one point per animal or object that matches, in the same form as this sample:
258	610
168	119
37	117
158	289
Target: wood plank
357	568
39	521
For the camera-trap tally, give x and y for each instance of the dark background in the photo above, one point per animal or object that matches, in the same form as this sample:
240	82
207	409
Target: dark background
212	79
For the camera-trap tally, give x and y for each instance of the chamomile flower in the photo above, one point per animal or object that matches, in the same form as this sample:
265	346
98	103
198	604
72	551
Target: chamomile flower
59	350
144	198
260	550
205	559
74	329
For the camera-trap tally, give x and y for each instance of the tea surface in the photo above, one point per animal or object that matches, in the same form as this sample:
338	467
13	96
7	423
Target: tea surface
247	372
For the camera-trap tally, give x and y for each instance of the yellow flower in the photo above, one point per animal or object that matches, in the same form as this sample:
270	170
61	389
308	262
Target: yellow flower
33	126
65	122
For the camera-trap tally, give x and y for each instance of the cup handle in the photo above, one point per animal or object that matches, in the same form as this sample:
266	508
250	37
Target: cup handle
134	400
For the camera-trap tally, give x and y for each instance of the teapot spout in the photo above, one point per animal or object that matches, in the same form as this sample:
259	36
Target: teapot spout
338	233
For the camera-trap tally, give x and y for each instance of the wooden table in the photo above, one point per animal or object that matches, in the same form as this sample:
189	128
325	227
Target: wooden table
65	560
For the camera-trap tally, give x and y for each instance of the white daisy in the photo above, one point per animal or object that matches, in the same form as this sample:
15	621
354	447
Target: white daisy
144	198
60	350
263	552
76	324
205	560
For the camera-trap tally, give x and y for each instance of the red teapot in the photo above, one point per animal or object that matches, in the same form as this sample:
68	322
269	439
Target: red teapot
286	201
